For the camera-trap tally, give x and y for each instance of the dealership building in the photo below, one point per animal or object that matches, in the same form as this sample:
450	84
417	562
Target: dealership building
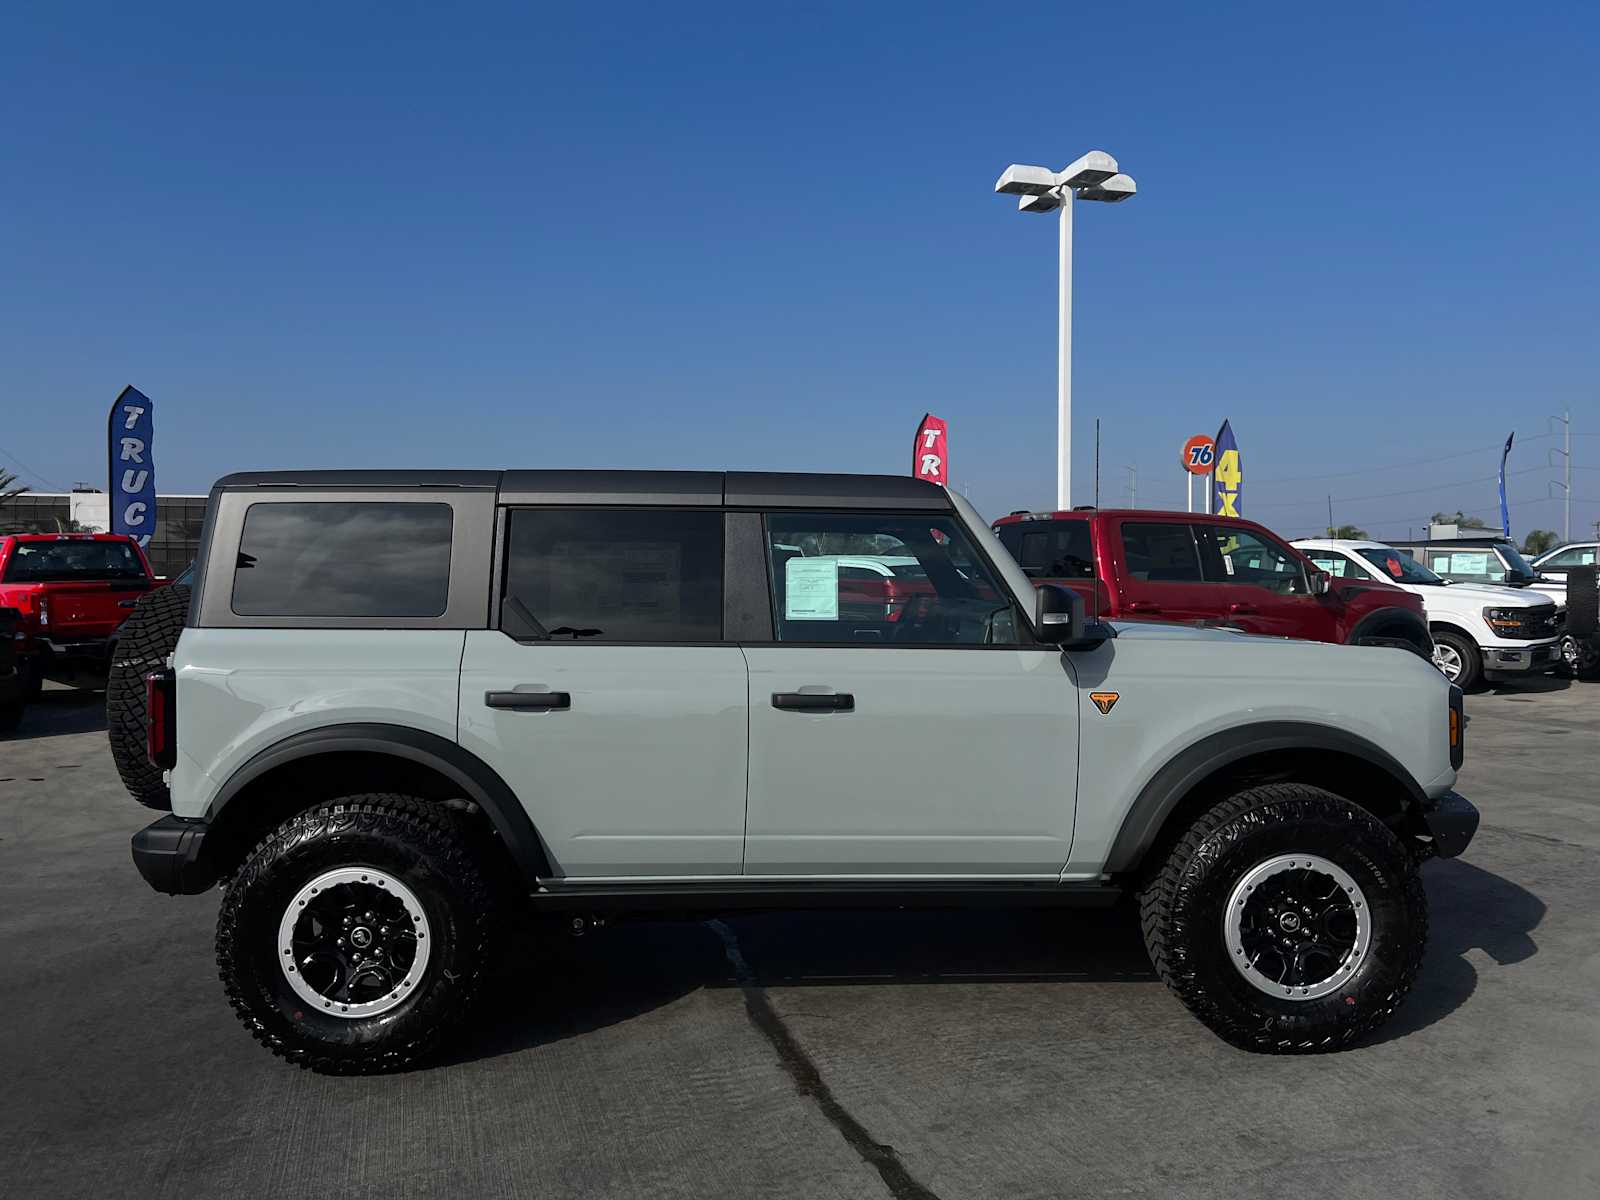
172	548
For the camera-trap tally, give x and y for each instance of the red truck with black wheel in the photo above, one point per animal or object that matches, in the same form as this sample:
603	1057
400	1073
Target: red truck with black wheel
71	593
1194	569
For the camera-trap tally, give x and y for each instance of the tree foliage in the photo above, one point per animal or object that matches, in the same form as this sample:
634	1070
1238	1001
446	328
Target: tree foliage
9	486
1351	533
1538	541
1461	519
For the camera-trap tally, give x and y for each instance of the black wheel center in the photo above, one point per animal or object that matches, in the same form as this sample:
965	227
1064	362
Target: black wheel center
1298	927
354	943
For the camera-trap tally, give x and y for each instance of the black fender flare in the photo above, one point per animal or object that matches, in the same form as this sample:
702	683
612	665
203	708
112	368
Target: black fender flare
1389	618
1189	767
478	781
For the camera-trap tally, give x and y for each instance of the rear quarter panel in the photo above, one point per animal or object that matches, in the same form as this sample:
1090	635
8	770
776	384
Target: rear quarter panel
1176	688
242	690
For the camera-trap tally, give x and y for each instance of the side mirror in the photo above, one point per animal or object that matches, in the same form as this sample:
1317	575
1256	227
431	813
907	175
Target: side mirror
1058	618
1321	584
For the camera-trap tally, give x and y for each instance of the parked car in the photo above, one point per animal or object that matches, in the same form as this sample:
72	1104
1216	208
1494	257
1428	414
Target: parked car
12	696
1478	631
1205	570
73	591
600	693
1553	567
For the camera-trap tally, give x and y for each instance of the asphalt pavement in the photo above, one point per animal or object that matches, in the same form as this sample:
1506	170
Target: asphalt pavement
905	1055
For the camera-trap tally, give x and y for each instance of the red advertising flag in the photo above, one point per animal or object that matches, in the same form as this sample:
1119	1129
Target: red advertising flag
930	457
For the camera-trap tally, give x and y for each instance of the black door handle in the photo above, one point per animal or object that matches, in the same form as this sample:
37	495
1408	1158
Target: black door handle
534	700
814	701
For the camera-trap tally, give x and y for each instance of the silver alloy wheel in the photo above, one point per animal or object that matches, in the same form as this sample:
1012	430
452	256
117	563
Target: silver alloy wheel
1448	660
1297	926
354	942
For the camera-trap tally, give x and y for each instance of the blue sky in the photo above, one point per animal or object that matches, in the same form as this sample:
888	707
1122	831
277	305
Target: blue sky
765	237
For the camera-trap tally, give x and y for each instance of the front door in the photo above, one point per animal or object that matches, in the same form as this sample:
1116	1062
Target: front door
923	737
1262	585
607	699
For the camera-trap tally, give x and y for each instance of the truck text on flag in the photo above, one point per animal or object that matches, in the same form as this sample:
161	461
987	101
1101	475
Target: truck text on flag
930	456
130	432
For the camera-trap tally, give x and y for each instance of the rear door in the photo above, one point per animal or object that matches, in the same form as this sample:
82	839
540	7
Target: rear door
607	697
1160	573
930	741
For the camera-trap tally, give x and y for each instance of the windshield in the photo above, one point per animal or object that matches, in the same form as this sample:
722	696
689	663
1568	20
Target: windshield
1399	566
72	562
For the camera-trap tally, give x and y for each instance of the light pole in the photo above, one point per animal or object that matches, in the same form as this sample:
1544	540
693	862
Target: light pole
1041	190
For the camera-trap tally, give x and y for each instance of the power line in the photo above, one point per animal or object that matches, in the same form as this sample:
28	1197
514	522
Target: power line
1408	492
1419	462
42	479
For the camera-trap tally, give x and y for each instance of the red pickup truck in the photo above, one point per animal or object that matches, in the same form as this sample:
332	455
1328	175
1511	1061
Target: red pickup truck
1204	570
72	592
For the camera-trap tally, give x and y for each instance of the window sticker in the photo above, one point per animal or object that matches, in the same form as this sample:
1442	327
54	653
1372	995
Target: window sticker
1471	564
811	589
1394	565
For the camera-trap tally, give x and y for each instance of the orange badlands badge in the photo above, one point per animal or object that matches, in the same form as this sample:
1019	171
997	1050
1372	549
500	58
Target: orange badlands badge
1104	701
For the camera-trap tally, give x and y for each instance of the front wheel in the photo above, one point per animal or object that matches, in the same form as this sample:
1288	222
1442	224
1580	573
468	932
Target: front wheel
1288	920
354	936
1458	659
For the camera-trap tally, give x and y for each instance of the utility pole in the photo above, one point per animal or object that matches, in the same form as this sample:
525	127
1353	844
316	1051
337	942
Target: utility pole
1566	487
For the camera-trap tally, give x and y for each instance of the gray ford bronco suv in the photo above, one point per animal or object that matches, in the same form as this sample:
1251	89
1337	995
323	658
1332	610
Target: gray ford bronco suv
405	710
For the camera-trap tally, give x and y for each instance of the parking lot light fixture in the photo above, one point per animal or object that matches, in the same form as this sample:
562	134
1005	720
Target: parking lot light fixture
1095	176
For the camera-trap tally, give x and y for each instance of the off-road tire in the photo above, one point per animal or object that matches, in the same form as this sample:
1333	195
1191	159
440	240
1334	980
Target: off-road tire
143	643
418	843
1181	909
1471	659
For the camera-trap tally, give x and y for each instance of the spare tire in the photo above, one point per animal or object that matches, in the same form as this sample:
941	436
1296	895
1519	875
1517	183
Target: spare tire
143	643
1583	604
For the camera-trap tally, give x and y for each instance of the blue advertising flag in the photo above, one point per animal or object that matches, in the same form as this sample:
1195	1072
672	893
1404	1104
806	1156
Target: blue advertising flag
1227	479
1505	513
130	433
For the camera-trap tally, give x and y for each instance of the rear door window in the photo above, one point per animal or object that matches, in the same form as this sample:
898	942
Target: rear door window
339	559
614	575
1338	565
1161	552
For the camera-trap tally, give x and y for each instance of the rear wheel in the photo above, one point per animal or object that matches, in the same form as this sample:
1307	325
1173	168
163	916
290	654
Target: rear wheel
1458	659
143	643
1287	920
355	934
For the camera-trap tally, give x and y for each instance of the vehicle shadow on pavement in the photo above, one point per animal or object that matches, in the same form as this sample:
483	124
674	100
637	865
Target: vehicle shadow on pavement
1469	909
553	986
1530	685
59	711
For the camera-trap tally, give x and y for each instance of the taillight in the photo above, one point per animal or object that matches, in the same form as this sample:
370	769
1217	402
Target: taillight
160	730
1458	728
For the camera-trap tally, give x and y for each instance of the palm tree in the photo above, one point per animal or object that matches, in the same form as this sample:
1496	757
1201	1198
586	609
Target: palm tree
9	486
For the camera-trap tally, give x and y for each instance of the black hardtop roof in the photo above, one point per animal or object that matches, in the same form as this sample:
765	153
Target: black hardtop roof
754	489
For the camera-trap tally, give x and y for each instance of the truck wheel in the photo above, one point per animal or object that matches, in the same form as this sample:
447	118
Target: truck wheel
1288	920
146	638
1458	658
355	934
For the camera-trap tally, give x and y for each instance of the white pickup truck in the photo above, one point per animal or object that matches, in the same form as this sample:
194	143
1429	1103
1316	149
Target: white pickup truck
1479	630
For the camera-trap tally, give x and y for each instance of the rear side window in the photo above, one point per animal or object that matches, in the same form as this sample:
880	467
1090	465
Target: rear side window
1050	549
614	575
340	559
1337	565
1160	553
